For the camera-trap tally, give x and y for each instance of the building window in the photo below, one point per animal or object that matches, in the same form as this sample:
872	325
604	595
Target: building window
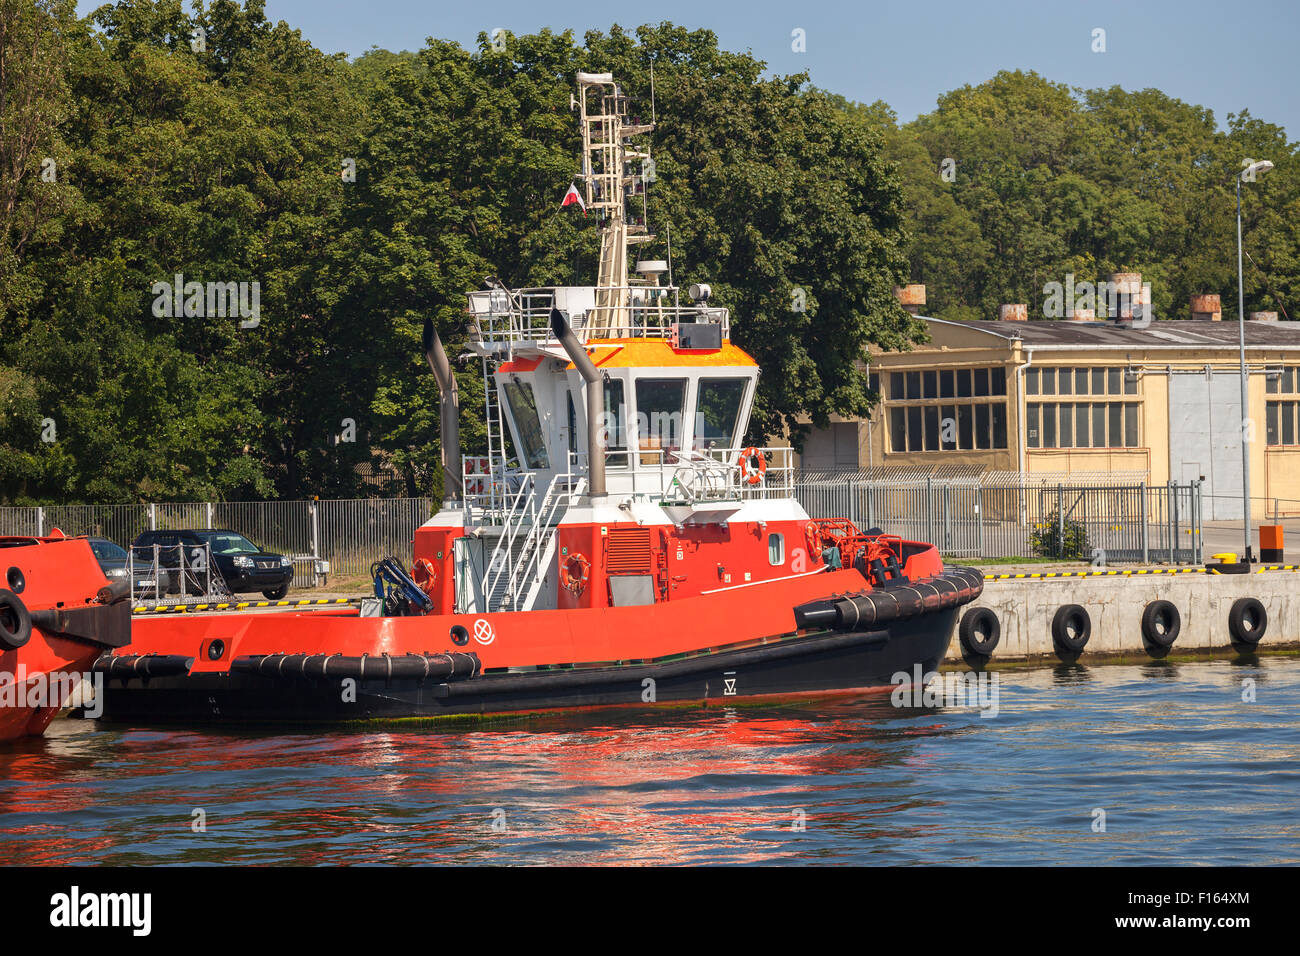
1081	425
923	416
968	426
1282	423
898	429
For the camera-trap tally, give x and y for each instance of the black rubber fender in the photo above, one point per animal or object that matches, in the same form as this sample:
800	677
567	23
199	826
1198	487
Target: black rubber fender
15	621
1161	623
979	630
1071	628
1247	621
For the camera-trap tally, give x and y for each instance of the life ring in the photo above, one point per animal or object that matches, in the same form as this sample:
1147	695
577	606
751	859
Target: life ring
1071	628
751	474
15	621
1247	622
813	540
979	630
574	571
1161	623
425	574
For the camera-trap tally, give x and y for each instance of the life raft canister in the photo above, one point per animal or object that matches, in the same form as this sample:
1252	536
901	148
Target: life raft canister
750	473
425	574
574	572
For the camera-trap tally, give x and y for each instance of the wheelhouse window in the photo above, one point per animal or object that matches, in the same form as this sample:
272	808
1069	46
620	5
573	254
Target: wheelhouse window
615	424
717	412
523	410
660	404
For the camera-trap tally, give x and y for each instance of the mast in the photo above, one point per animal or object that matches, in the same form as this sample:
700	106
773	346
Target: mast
606	155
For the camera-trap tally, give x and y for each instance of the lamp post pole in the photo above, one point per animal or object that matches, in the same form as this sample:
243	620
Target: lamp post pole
1245	408
1247	175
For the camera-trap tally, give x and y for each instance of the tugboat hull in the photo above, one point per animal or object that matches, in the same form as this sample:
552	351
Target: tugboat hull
807	663
57	615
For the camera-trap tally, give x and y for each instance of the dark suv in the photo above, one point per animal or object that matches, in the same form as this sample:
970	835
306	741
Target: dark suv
243	565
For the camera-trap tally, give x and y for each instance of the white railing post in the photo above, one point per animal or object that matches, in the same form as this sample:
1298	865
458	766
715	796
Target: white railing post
315	542
40	522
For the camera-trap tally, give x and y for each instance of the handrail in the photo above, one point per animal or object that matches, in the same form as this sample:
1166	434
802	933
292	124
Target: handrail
502	558
530	555
651	312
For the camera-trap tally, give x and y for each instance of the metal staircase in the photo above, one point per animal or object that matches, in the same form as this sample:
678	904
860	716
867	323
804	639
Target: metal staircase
515	571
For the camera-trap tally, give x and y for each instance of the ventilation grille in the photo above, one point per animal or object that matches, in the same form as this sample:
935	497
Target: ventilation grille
629	551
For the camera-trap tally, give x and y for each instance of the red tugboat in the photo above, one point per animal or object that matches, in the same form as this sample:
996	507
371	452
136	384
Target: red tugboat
614	546
58	613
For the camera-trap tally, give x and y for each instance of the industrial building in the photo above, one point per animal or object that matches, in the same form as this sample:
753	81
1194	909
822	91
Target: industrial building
1080	395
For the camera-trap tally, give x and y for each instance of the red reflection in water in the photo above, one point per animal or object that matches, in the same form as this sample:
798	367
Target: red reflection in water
656	786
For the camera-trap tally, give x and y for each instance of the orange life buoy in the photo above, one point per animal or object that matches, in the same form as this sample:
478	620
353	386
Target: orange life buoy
574	571
813	540
749	473
425	574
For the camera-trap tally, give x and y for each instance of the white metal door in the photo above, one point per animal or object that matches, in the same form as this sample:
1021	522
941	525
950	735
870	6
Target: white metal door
1205	438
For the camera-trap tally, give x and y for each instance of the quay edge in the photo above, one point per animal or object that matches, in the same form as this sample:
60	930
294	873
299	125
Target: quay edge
1115	603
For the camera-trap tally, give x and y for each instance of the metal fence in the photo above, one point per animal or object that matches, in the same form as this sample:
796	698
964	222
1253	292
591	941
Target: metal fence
347	533
1105	524
991	516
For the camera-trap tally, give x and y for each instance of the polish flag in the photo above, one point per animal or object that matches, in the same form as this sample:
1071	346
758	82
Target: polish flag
573	196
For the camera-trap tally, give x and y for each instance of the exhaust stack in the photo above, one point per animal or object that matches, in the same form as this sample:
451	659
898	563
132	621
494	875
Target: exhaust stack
595	398
449	410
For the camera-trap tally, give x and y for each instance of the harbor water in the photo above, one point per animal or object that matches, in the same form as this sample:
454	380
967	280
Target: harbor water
1159	763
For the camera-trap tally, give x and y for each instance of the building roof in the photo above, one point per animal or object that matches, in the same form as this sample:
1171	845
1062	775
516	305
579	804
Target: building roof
1163	333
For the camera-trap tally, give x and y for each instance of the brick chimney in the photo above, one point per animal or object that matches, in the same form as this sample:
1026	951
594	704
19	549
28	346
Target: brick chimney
1013	313
1206	307
911	297
1128	293
1083	315
1263	316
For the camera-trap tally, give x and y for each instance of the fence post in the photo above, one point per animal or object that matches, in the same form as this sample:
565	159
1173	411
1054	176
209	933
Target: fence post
153	517
947	522
315	542
208	515
1060	520
1198	534
1171	504
40	522
929	509
1146	552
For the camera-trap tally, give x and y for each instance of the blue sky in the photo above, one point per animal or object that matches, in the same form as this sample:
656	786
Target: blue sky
1221	55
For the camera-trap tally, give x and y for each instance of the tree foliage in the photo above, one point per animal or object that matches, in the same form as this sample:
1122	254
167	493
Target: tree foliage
212	143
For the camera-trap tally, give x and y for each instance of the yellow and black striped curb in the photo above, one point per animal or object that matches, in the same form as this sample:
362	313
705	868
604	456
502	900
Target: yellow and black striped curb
1125	573
238	605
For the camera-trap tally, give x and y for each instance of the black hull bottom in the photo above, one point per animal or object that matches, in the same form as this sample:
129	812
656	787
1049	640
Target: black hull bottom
812	663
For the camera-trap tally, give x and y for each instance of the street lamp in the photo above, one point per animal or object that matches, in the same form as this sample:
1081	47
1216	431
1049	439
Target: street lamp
1249	174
